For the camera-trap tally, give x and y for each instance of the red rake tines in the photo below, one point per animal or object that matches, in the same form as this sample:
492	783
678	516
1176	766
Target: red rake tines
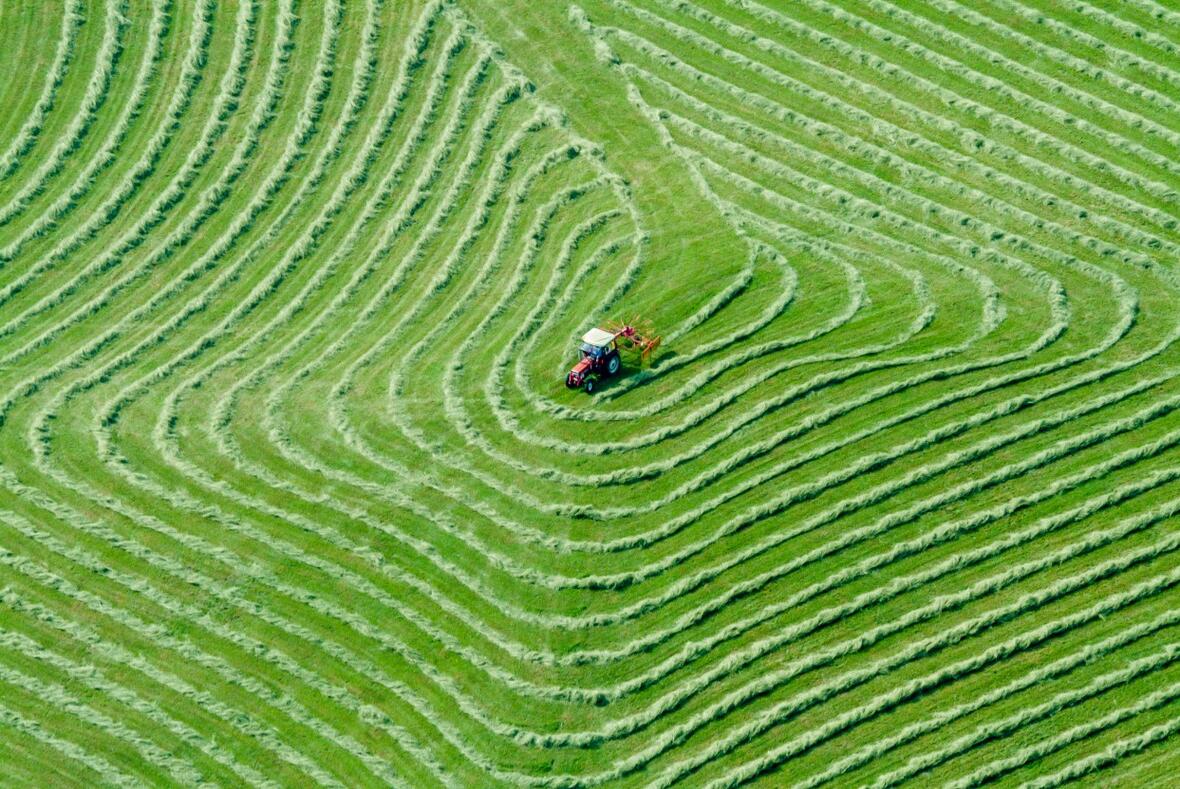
637	334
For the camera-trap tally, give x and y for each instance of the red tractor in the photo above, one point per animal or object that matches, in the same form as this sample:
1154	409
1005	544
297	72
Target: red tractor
600	353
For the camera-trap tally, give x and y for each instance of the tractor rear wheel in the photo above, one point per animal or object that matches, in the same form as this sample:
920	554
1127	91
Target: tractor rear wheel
612	363
589	385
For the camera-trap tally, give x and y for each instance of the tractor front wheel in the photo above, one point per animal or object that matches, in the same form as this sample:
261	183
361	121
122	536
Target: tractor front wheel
589	385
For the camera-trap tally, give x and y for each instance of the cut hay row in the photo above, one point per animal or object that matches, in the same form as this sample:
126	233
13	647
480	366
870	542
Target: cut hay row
1005	727
922	143
130	240
262	694
18	146
784	710
1110	755
1150	701
97	90
17	644
180	100
73	752
1091	653
107	155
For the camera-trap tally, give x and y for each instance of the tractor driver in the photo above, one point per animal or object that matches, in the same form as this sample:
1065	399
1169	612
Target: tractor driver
594	351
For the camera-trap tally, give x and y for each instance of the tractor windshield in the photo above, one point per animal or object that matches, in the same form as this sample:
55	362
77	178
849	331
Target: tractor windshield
591	350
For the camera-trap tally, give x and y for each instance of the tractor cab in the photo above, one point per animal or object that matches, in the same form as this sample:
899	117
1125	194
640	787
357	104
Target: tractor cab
597	343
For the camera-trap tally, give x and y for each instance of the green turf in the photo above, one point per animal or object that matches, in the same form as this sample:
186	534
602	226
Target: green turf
292	492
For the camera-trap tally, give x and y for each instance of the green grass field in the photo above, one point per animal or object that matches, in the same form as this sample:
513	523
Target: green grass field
292	492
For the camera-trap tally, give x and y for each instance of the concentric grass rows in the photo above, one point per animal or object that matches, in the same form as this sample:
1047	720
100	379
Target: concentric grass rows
1083	657
96	92
1111	755
86	178
79	754
828	165
133	238
918	141
182	95
292	491
1004	727
261	693
19	145
1159	697
786	709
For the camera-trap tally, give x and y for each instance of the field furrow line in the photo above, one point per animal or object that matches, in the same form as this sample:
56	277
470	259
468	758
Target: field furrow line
94	677
185	648
1108	756
68	749
996	729
71	20
1153	700
115	25
1085	656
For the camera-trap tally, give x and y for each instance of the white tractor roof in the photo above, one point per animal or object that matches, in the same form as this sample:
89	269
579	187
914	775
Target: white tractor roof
598	337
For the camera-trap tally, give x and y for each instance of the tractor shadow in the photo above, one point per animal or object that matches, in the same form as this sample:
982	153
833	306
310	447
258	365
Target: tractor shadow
635	374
